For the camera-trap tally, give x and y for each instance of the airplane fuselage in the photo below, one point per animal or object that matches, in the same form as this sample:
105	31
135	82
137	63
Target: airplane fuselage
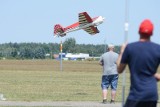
96	22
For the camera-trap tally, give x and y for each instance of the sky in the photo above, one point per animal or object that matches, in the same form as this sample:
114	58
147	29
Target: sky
34	20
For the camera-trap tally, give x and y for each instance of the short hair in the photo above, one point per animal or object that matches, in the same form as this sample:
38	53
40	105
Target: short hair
110	46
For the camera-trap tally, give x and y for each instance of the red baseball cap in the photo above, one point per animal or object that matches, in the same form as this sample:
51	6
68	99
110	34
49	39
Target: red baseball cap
146	27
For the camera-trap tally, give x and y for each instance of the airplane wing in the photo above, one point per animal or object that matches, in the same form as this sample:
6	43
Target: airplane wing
91	30
84	19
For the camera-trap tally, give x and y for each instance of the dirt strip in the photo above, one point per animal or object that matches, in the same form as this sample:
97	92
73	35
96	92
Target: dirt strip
59	104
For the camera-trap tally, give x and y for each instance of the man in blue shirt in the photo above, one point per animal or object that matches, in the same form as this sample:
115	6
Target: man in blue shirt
143	59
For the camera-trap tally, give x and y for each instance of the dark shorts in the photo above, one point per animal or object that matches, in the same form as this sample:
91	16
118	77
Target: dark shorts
109	80
131	103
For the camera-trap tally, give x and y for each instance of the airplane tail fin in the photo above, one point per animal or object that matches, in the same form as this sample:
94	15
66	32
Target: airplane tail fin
59	30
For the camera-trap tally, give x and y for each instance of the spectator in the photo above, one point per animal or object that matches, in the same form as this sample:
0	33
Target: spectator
110	74
143	58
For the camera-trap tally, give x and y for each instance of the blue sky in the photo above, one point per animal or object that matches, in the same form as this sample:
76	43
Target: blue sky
33	20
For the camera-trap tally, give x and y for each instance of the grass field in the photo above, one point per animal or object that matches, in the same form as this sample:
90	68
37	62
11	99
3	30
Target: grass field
42	80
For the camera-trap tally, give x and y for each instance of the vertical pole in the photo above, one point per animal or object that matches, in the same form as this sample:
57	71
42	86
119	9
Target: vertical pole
51	55
123	88
105	47
125	40
61	56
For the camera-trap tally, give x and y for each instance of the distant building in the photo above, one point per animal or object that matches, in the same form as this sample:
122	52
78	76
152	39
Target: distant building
71	56
76	56
47	55
63	55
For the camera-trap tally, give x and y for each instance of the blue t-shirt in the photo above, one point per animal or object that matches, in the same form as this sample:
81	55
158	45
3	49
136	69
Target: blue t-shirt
143	59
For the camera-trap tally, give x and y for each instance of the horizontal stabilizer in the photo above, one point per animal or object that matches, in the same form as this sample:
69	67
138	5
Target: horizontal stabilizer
59	30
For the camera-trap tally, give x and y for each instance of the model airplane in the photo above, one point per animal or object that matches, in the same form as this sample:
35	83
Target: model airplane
85	22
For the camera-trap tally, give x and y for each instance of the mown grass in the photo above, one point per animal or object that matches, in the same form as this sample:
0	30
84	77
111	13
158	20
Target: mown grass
42	80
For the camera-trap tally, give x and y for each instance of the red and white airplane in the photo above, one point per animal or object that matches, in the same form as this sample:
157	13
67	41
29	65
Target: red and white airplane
85	22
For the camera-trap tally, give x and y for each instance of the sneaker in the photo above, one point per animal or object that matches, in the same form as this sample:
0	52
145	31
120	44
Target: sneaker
112	102
104	101
2	97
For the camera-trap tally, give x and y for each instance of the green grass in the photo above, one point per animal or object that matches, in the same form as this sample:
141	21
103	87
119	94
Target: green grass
42	80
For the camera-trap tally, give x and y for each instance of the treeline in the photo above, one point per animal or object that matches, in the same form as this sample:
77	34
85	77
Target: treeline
47	50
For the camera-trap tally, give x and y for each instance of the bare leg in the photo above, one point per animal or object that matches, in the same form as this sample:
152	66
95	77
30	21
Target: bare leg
104	94
113	94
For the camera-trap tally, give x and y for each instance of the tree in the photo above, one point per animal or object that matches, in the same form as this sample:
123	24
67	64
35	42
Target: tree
38	50
69	45
26	52
39	53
